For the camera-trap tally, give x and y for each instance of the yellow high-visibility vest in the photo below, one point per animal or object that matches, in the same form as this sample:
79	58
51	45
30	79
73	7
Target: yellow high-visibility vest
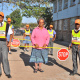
75	37
3	31
27	32
51	33
11	26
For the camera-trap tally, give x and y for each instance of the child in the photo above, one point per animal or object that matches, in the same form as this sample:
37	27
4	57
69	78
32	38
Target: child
27	35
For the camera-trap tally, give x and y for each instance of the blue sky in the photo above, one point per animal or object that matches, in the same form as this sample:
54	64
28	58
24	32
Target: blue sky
7	9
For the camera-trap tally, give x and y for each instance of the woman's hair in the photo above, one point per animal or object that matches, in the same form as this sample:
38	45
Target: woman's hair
40	19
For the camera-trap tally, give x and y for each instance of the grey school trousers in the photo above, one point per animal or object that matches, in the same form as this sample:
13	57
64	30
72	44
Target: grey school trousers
50	50
75	51
4	58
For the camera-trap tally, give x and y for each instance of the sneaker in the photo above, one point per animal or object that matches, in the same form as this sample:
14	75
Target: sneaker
24	49
27	50
9	52
9	76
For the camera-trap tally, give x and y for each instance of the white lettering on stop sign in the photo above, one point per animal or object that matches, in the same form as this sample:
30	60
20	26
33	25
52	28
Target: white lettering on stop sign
63	54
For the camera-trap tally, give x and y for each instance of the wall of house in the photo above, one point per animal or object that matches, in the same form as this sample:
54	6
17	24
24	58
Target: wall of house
71	11
63	20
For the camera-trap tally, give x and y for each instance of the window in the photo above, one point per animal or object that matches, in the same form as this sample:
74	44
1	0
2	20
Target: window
60	24
55	6
72	2
72	23
60	5
65	4
65	24
55	24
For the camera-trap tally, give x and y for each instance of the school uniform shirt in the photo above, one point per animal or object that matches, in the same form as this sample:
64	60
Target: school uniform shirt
8	35
10	30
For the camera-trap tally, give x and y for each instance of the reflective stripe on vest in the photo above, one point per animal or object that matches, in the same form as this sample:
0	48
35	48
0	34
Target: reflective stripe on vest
75	37
51	33
3	31
27	32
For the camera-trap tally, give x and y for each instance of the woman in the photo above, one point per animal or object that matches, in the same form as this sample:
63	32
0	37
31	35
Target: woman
39	38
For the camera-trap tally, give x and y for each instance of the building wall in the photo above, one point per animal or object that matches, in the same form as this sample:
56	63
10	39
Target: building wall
68	12
63	20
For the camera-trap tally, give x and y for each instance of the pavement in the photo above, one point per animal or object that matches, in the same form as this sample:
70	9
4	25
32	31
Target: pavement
21	69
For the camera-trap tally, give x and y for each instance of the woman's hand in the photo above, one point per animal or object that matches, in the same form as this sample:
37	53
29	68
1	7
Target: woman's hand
69	48
44	46
36	46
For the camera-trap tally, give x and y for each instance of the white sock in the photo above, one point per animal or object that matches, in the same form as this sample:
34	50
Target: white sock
9	51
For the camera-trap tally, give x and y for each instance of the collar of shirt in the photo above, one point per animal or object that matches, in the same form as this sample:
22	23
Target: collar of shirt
27	29
39	28
76	31
1	24
10	25
50	30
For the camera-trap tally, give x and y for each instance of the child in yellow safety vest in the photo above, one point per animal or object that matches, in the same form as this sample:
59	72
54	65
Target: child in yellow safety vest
4	30
8	36
27	37
75	44
52	34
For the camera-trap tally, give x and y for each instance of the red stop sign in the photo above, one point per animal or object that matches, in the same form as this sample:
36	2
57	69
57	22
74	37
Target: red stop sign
15	43
63	54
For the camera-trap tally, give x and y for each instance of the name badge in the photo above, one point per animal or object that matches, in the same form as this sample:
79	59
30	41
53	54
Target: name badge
76	38
2	32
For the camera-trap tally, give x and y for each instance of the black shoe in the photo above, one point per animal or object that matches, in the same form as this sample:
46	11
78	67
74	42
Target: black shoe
9	76
27	50
35	71
72	74
40	70
51	54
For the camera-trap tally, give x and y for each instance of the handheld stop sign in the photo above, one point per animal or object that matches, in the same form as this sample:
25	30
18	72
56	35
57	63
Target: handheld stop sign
15	43
62	54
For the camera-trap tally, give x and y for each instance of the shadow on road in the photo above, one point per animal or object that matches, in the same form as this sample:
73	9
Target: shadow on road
22	48
26	58
52	61
13	50
62	43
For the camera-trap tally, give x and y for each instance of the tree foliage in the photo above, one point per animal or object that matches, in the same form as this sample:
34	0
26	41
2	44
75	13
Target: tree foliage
35	8
47	16
32	25
38	9
16	18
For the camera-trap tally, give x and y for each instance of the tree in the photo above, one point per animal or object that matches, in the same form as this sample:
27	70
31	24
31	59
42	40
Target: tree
41	8
16	18
35	8
48	16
